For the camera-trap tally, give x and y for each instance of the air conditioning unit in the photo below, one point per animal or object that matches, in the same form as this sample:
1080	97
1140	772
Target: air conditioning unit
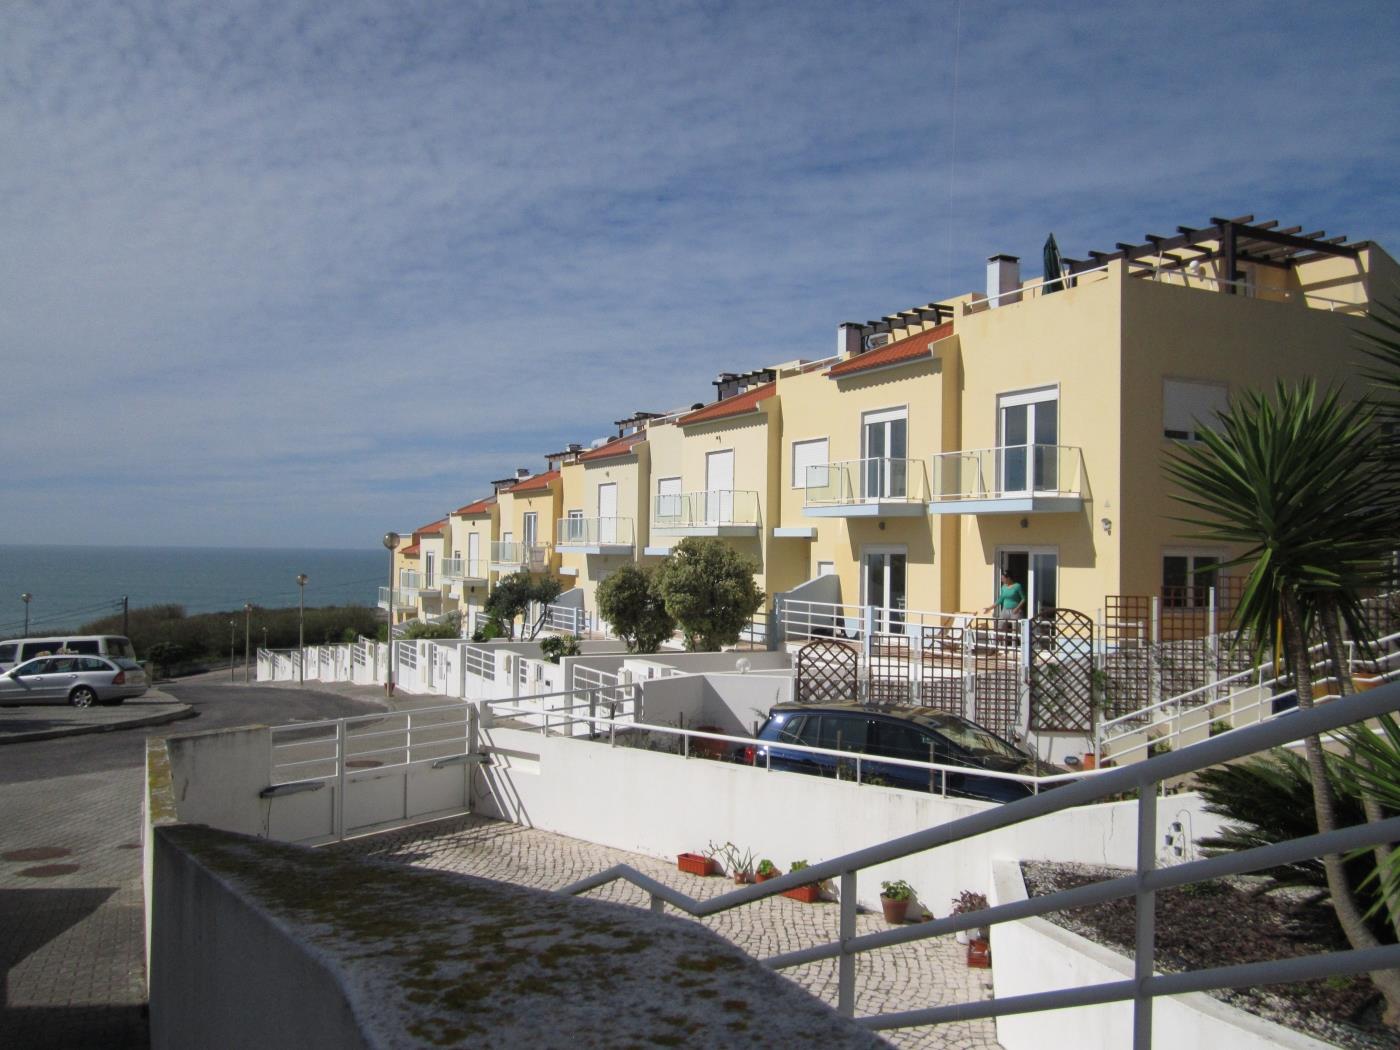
879	339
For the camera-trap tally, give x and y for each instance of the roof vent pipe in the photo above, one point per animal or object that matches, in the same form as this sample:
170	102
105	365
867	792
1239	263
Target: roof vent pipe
1003	280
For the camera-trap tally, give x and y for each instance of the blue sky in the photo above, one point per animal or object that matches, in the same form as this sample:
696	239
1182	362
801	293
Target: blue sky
290	274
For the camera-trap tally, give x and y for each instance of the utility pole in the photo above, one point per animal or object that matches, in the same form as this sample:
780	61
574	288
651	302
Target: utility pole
301	626
247	632
126	615
231	628
26	597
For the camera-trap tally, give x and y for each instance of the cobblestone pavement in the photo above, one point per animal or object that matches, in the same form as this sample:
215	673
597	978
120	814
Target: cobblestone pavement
900	978
71	920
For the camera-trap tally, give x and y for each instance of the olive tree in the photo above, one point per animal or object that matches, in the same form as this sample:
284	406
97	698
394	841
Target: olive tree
514	594
629	601
708	587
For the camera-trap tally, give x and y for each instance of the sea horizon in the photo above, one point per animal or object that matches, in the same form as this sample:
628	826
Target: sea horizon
72	584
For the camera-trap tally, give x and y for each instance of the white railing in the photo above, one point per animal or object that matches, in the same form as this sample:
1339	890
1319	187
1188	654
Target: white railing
878	480
1008	471
580	711
1186	279
1220	707
407	654
684	510
566	619
1033	291
516	555
1142	778
594	532
411	581
463	569
801	619
402	599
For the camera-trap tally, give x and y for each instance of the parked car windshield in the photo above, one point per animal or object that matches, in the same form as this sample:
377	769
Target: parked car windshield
974	738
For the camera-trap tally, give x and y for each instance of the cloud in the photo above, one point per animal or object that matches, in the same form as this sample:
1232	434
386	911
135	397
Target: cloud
277	270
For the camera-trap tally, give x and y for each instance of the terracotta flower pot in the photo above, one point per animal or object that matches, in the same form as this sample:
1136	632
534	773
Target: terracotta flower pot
895	911
760	877
808	894
696	864
979	954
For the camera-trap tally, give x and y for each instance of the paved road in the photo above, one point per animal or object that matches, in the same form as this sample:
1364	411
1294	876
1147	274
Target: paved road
71	926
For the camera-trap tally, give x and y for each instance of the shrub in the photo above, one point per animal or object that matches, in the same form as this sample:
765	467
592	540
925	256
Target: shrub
557	646
449	626
629	600
514	594
898	890
709	589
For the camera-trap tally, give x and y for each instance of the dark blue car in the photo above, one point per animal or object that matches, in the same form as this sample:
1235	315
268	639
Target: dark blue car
921	734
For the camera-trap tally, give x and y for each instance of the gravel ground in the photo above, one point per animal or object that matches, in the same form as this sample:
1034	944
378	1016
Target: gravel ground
1226	922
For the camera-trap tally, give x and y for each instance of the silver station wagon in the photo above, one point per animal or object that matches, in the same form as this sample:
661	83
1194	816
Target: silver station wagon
78	680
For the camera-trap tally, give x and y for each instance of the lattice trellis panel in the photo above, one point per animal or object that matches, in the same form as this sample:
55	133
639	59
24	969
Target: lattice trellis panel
1062	672
1125	684
996	678
827	671
890	669
942	668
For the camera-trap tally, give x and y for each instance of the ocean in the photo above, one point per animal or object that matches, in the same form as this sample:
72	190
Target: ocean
72	585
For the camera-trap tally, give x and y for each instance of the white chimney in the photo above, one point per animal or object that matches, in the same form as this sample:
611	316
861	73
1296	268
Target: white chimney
848	339
1003	275
521	473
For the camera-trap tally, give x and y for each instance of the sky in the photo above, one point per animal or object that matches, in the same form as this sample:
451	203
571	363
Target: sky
291	274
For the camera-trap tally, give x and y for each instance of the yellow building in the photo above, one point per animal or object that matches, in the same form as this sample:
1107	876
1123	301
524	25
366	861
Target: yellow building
605	520
528	511
465	571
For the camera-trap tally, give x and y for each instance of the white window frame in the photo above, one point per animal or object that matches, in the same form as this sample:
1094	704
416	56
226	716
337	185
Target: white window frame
799	474
1192	599
429	562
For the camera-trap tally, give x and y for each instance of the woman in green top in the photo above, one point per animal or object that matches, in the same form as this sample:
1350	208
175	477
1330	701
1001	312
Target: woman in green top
1011	599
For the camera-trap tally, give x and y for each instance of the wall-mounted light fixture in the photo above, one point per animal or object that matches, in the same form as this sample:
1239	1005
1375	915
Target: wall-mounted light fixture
1107	526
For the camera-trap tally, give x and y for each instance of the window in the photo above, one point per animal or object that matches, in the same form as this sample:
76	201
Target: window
573	527
1028	426
841	733
668	498
7	653
90	663
900	741
808	454
1187	578
826	568
792	732
83	645
1188	406
531	528
428	563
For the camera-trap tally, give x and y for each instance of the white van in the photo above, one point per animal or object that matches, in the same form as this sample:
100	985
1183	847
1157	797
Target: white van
17	650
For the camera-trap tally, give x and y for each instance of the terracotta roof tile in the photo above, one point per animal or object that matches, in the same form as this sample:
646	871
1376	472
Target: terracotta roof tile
539	481
896	353
616	447
435	529
481	506
411	551
731	406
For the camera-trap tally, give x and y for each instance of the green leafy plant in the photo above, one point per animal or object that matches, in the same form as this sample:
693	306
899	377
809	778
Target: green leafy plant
1219	726
735	861
896	890
555	646
490	629
766	868
798	865
631	603
449	626
708	587
515	593
968	901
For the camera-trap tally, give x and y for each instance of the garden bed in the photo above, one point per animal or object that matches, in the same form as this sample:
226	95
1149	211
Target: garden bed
1224	922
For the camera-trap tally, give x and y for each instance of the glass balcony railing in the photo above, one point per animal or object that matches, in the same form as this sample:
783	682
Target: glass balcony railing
594	532
515	555
410	583
861	481
454	569
712	509
1010	472
401	599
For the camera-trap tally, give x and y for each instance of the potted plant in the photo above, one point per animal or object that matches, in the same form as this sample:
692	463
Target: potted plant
894	900
808	892
979	953
965	903
739	863
766	870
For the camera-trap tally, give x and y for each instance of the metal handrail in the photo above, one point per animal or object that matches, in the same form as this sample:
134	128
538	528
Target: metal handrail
971	306
1144	777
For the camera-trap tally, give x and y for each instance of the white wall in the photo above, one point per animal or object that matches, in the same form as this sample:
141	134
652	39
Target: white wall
1034	955
660	805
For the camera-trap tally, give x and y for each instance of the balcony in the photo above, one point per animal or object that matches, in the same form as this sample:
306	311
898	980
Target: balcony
510	556
1012	479
718	512
867	488
402	599
460	570
595	535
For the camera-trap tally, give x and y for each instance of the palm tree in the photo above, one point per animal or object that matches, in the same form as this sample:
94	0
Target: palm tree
1290	483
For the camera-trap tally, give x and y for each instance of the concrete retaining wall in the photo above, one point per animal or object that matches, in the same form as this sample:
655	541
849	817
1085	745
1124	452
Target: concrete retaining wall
1035	955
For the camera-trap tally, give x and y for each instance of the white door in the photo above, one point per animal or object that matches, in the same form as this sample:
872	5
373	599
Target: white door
473	553
607	513
719	487
885	442
668	501
532	530
1029	424
883	582
1036	569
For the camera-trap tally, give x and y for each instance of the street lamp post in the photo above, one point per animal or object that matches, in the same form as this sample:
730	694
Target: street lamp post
391	541
301	626
247	633
264	631
232	626
26	597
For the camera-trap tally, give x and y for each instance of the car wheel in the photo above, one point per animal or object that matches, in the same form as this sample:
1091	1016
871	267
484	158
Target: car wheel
82	696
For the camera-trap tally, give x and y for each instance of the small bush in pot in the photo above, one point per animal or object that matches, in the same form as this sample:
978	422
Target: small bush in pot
766	870
808	893
894	900
965	903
